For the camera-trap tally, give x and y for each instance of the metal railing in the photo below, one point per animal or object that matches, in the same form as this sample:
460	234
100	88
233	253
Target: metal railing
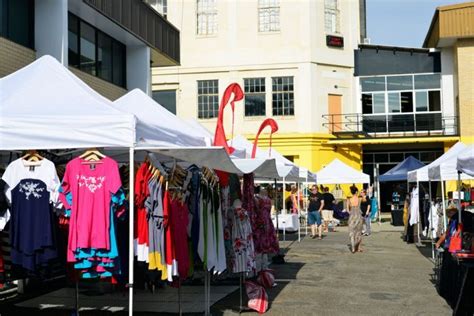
389	125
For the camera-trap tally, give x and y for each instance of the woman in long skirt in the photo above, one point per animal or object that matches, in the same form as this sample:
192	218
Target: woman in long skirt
356	221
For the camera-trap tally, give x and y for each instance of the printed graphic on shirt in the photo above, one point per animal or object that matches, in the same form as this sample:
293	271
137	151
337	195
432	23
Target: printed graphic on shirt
31	188
92	183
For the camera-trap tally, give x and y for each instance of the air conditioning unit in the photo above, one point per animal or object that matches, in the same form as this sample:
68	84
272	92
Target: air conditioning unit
367	40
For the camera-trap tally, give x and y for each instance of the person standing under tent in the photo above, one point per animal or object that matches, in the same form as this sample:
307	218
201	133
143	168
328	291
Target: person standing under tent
328	211
365	211
294	199
355	220
314	212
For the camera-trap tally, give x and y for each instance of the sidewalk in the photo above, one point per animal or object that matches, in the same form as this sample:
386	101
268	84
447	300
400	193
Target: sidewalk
322	277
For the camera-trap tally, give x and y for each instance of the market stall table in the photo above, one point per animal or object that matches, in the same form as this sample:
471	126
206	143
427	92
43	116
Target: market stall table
286	222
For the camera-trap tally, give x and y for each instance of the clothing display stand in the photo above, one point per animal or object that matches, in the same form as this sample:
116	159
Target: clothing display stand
419	244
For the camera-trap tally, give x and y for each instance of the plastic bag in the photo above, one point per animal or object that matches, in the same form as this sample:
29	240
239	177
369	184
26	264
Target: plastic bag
258	298
266	278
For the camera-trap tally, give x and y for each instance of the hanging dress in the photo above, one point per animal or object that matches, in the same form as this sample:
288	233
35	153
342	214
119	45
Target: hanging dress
356	224
244	259
264	235
31	192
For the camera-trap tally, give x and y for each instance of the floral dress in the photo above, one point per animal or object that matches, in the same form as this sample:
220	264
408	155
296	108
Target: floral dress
264	235
243	247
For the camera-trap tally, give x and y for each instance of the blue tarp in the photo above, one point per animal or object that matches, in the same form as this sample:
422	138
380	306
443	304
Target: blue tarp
400	171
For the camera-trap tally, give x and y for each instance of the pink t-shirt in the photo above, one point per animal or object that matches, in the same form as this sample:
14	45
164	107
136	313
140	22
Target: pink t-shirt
92	187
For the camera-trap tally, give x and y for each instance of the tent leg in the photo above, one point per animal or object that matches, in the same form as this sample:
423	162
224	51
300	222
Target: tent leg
459	199
305	203
430	227
130	231
298	208
445	225
276	209
377	190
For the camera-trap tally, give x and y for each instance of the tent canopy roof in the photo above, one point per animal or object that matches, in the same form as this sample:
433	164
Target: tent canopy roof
286	168
465	161
421	174
156	126
337	172
447	170
400	171
47	100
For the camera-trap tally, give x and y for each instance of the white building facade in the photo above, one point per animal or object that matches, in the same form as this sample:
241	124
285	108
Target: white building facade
293	59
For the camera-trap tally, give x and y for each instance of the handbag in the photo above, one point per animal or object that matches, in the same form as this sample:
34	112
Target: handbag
455	243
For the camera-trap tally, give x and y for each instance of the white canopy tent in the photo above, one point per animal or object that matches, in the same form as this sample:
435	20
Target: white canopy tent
45	106
286	169
162	132
158	126
465	161
447	170
421	174
337	172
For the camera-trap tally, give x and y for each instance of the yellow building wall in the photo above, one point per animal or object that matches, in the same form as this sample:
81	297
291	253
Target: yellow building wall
465	69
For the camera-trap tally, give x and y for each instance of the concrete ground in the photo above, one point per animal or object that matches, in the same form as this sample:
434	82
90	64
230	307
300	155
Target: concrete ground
322	277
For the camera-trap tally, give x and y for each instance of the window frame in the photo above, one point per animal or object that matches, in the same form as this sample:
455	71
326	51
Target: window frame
5	27
267	6
206	13
114	43
291	107
389	115
264	93
215	111
336	13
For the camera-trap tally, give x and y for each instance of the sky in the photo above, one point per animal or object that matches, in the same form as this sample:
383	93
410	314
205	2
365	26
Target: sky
401	22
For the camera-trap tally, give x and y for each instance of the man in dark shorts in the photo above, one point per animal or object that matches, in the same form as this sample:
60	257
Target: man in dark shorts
328	211
314	212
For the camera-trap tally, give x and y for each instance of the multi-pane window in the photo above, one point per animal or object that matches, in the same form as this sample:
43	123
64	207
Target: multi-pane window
283	96
268	15
331	16
160	6
206	17
401	103
95	52
208	98
166	98
254	96
17	21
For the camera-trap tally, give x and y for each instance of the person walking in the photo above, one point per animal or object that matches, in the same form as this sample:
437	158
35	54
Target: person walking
314	212
365	211
328	211
355	220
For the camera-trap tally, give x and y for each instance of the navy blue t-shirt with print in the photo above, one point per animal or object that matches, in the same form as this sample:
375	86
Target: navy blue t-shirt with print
31	192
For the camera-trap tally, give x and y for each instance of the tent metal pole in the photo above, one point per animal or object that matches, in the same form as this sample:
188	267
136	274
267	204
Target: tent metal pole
459	199
445	225
130	229
377	189
298	208
275	199
419	214
305	203
431	228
